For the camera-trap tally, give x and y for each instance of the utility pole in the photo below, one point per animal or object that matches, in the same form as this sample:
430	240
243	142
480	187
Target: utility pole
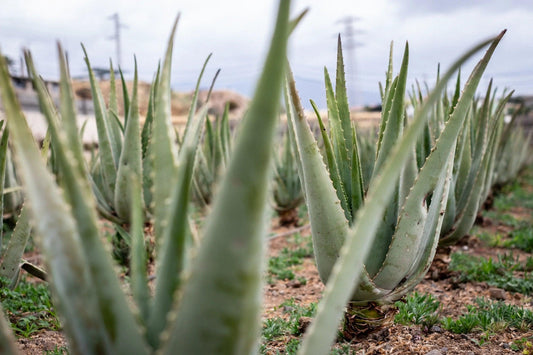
116	36
349	43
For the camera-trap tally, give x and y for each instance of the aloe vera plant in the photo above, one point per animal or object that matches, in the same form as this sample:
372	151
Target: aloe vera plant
287	193
11	261
129	147
219	305
397	259
513	152
212	158
474	165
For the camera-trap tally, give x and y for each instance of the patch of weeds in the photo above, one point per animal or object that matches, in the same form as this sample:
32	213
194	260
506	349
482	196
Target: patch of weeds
274	328
498	273
514	194
341	349
418	309
292	346
492	240
490	317
521	238
280	266
288	326
528	265
29	308
524	345
57	351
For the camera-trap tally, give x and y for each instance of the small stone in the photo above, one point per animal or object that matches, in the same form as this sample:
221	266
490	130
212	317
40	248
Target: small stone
497	294
434	352
435	329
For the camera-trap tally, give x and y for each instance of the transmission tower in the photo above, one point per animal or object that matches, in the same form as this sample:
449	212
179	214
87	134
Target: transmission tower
349	44
116	36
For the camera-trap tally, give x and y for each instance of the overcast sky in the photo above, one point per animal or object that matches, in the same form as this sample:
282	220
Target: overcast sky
237	33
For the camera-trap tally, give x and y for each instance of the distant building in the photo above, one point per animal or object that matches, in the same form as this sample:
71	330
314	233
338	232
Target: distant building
28	97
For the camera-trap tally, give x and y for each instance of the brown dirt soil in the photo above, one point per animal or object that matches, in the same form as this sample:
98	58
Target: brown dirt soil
400	339
395	339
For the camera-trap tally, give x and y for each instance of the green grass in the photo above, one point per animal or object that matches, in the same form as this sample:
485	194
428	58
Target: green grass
521	238
29	308
501	217
516	193
281	266
418	309
484	317
500	273
491	317
523	345
57	351
288	326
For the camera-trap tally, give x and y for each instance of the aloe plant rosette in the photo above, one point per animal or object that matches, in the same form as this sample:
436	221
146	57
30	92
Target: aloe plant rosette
218	310
408	229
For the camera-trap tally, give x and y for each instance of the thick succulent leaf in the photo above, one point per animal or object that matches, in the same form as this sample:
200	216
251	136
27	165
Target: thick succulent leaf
290	129
345	276
172	255
425	256
407	179
125	94
115	126
163	144
68	111
194	105
409	238
329	225
471	200
341	98
116	318
495	143
387	95
130	158
392	132
108	151
139	256
15	248
13	197
465	156
368	291
418	224
112	107
358	183
451	210
147	125
338	141
3	162
60	242
333	167
221	299
394	124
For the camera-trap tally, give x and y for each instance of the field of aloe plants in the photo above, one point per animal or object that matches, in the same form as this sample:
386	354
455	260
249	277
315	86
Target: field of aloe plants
168	241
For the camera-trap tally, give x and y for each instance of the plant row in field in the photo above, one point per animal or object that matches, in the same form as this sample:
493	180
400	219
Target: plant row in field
375	223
